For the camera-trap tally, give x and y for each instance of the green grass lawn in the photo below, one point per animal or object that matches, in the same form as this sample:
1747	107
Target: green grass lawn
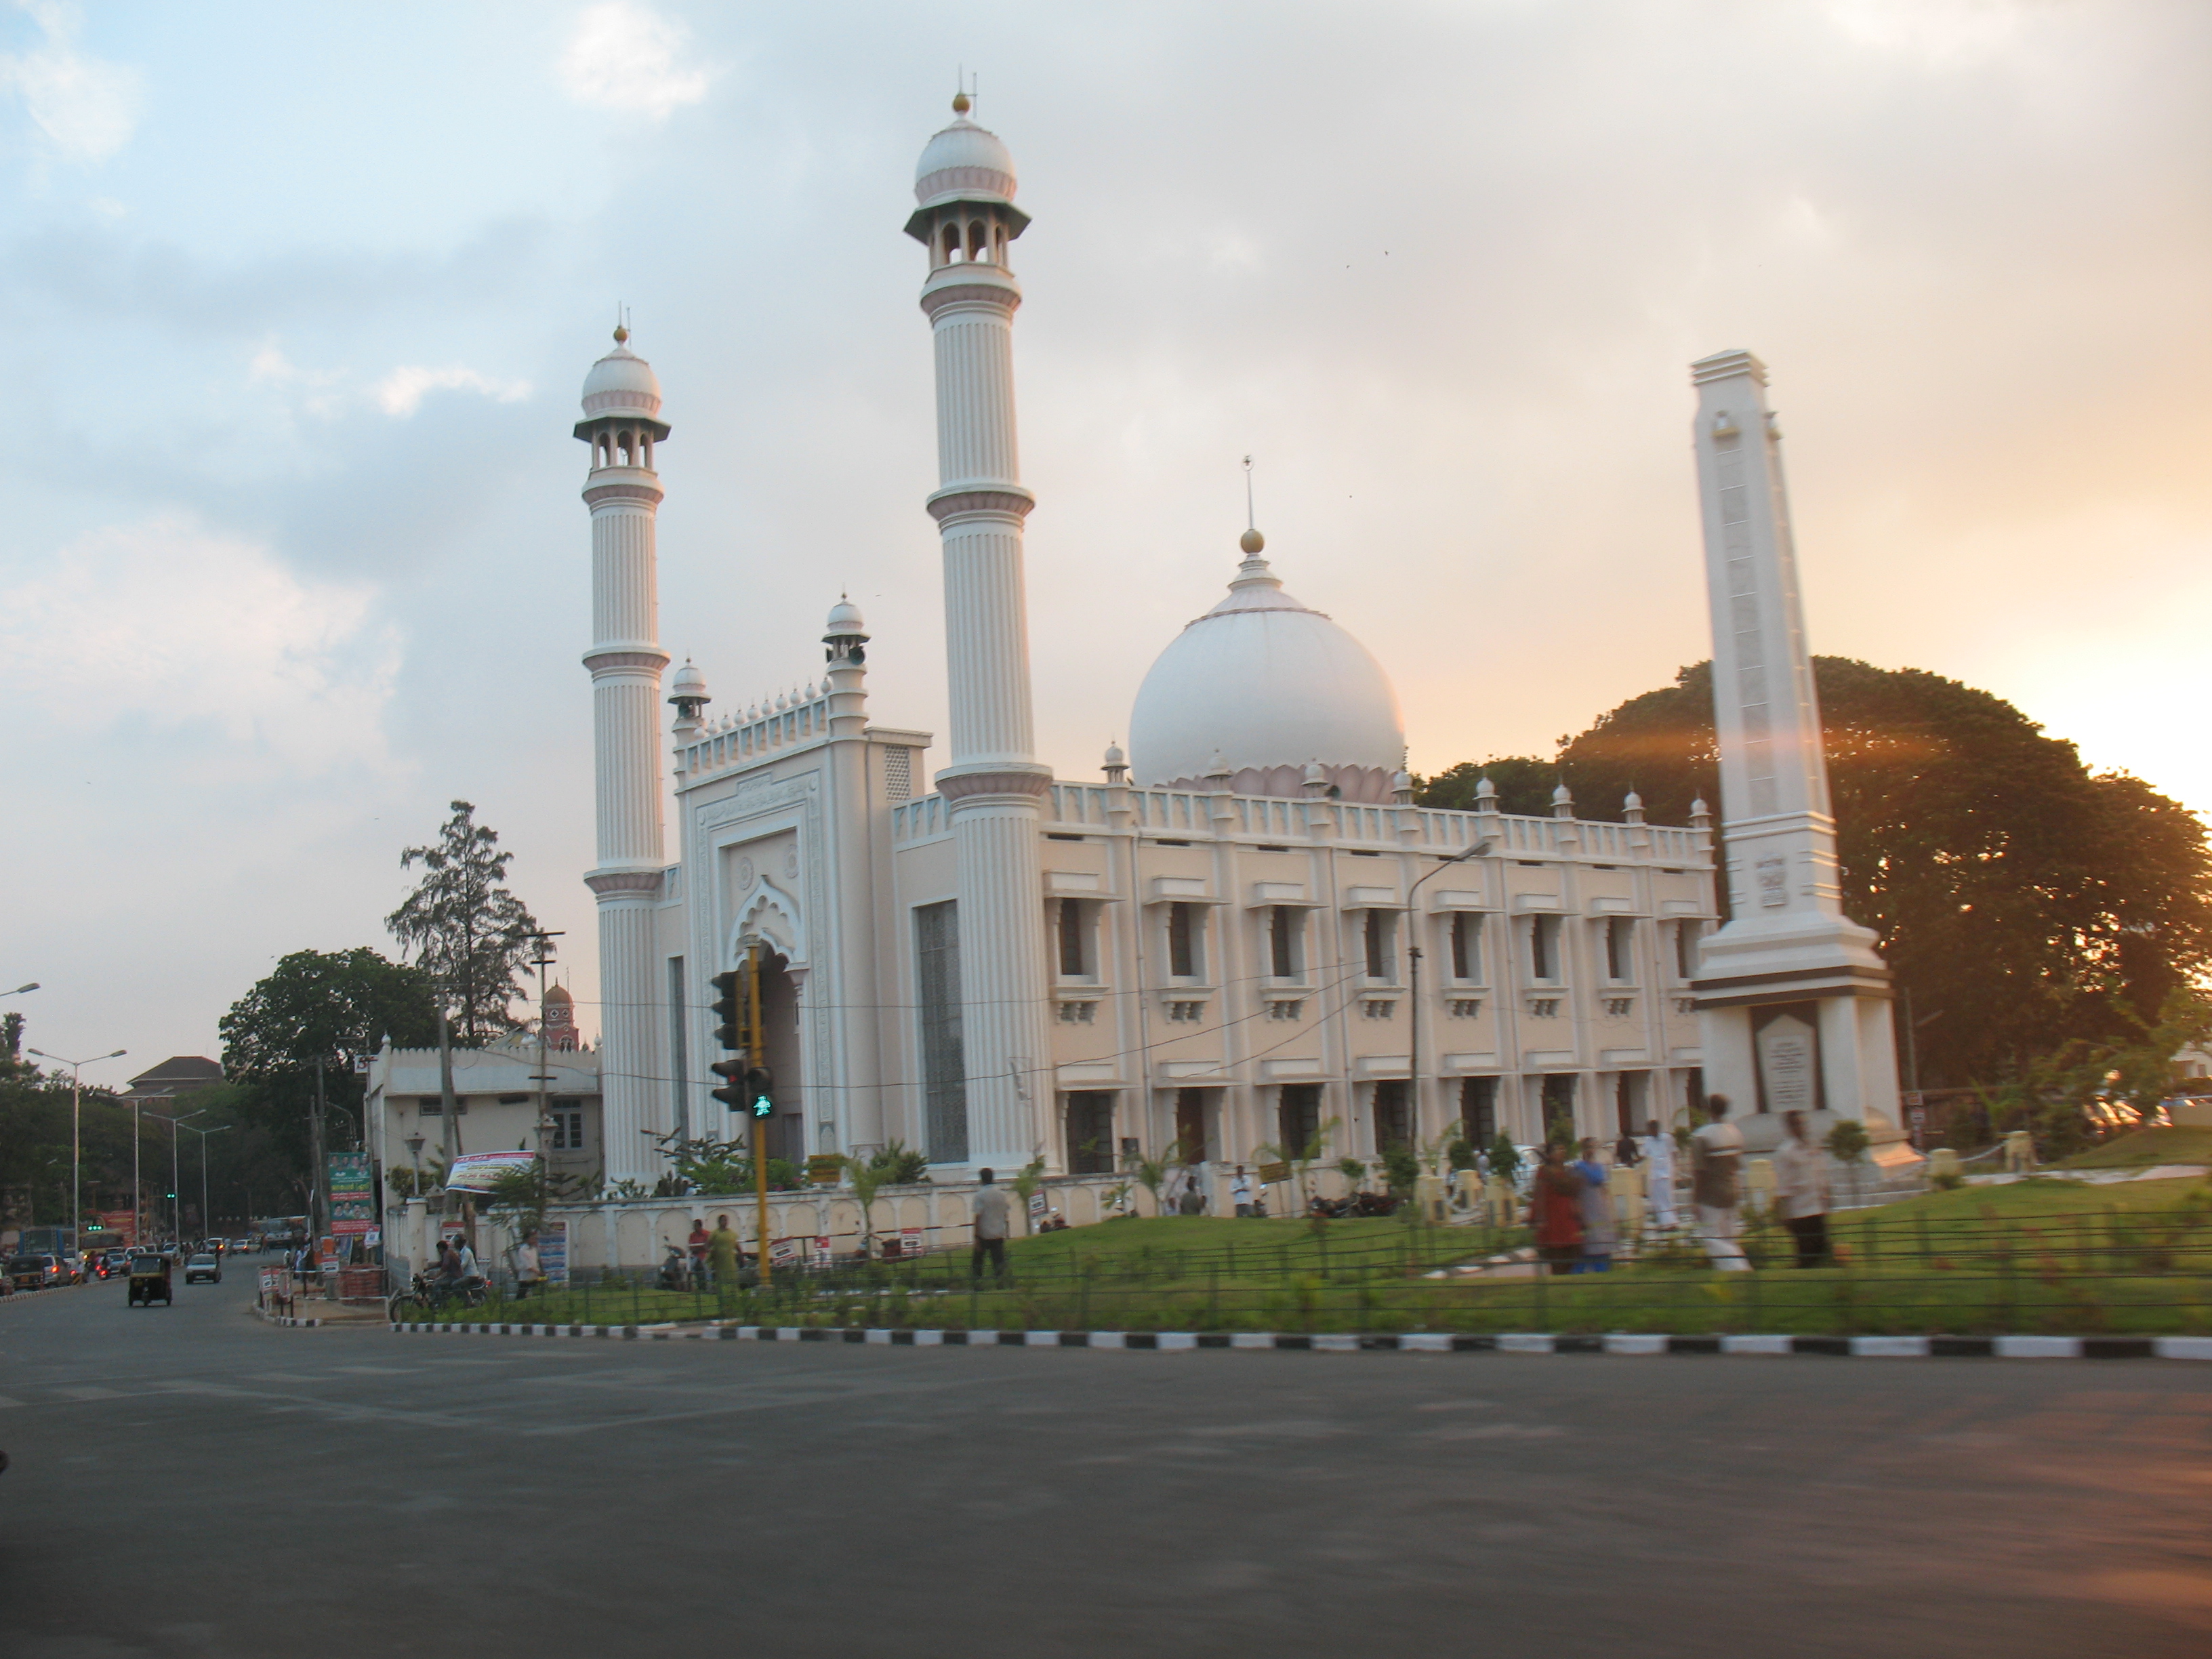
2033	1256
2139	1148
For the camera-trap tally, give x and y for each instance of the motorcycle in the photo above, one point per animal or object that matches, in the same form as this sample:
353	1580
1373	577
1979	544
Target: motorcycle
676	1270
427	1294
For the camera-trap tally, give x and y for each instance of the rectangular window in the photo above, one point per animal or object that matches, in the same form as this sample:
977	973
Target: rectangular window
1466	946
1685	950
1090	1132
1394	1115
1478	1110
1616	948
1297	1119
568	1131
1558	1098
679	1067
1543	947
944	1060
431	1106
1379	953
1073	955
1184	924
1284	923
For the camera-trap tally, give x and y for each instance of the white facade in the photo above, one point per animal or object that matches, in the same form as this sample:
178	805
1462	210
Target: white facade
1015	966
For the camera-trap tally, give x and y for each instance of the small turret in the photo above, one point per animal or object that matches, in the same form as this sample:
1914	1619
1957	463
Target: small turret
688	691
1632	808
1563	802
1117	764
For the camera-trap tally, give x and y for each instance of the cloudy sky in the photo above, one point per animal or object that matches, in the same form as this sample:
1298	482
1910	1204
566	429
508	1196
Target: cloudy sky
299	299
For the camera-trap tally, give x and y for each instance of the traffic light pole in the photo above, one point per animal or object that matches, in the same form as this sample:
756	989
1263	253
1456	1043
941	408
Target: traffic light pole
756	1053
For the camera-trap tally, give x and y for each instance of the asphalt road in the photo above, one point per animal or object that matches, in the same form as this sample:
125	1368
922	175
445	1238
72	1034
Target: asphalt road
189	1481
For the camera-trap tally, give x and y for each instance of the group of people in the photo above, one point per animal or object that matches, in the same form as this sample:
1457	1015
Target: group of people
1571	1210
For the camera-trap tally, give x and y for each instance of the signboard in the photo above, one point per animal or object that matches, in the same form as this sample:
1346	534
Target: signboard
909	1241
1274	1172
353	1194
822	1247
553	1251
1037	1207
825	1168
477	1172
783	1253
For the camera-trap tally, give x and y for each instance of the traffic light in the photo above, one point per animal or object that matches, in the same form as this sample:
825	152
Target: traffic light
729	1034
760	1092
732	1094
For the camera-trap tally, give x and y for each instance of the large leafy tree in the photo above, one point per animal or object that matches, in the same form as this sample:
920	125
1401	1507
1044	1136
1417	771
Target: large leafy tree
326	1005
2022	900
465	927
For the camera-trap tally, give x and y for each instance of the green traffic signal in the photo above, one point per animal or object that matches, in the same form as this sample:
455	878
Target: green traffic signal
760	1091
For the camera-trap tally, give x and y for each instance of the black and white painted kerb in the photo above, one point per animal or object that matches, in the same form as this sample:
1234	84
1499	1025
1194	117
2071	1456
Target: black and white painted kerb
1857	1347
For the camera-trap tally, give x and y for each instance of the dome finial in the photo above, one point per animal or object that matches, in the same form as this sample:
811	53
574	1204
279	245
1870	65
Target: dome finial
961	103
1251	541
621	325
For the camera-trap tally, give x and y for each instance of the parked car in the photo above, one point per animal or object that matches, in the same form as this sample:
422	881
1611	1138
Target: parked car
205	1265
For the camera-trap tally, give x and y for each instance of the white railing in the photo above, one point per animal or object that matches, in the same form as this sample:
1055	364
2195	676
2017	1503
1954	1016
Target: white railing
741	739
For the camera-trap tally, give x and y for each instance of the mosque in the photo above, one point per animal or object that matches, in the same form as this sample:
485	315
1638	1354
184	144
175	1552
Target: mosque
1242	933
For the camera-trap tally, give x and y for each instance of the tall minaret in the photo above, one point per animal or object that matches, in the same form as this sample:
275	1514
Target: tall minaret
622	422
1793	998
967	218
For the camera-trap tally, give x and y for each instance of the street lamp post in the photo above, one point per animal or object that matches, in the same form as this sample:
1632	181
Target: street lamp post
76	1139
221	1129
176	1186
1413	969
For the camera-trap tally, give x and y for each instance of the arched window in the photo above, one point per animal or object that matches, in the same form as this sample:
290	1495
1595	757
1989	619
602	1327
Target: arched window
952	244
979	242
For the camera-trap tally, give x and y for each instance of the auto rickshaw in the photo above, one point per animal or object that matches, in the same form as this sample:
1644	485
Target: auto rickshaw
150	1280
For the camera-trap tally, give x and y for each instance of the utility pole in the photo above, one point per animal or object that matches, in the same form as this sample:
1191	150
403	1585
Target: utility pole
1413	977
76	1139
319	1223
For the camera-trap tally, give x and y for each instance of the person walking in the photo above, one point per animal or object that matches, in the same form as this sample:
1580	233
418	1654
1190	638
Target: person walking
1715	1170
697	1243
1800	1183
723	1253
991	1211
528	1272
1555	1216
1659	1173
1600	1233
1240	1191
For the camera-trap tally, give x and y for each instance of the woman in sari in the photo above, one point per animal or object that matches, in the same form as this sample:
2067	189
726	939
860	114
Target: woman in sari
1599	1233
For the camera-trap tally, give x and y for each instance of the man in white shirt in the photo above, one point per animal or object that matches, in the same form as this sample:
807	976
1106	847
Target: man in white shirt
992	1212
1715	1162
1240	1191
1658	1148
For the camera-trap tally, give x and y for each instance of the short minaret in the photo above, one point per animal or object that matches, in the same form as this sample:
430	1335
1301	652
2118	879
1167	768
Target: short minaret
1792	995
968	221
622	422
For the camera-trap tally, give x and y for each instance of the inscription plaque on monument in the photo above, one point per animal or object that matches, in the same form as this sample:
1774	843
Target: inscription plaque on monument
1788	1065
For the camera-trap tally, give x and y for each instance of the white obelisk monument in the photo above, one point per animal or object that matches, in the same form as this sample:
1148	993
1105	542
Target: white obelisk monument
622	422
967	218
1793	997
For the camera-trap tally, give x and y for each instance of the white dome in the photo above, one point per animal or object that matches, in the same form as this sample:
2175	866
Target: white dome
688	682
963	160
1271	687
621	382
845	620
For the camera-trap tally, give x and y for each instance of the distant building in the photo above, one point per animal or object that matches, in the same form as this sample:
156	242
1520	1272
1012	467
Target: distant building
179	1075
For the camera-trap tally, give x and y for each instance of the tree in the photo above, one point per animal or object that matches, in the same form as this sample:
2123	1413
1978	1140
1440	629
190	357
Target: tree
325	1005
465	928
2021	900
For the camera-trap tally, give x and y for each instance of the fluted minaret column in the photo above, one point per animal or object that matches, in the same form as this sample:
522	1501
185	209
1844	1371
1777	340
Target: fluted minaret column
965	186
1793	995
622	422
